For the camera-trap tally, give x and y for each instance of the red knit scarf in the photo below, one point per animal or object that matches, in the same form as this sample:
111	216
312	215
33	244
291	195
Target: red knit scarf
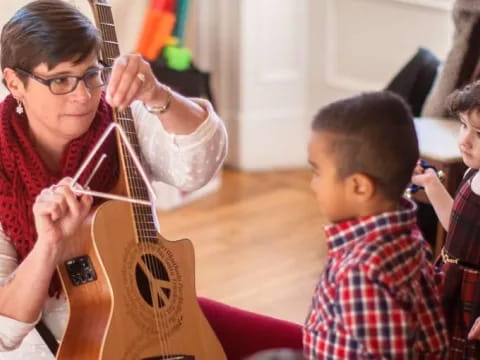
23	174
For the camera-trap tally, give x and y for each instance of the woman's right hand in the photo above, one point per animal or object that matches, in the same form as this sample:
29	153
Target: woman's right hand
423	177
58	213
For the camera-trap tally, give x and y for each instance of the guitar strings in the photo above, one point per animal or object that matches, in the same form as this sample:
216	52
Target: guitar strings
137	189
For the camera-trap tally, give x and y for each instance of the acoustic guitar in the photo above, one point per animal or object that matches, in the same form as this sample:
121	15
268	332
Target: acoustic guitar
131	292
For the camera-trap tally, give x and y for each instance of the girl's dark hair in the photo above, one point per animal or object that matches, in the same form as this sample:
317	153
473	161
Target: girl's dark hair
374	134
47	31
464	100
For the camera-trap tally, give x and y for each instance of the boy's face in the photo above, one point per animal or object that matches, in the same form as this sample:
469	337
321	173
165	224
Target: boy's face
331	192
469	139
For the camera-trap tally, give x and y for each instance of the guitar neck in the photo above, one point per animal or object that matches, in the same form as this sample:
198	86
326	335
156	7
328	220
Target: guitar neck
136	187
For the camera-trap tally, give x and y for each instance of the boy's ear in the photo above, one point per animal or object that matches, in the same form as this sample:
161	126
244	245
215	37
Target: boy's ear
13	83
361	186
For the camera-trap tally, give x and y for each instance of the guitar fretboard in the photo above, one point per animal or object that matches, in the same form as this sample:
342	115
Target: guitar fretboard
136	188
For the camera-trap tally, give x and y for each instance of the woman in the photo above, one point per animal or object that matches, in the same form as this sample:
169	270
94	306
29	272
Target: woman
53	116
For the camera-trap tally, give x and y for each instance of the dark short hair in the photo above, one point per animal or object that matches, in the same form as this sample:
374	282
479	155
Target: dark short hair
464	100
373	134
47	31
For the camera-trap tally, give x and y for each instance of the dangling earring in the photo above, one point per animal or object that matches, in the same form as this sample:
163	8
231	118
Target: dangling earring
19	108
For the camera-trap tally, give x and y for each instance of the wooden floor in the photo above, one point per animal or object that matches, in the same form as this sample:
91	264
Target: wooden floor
259	242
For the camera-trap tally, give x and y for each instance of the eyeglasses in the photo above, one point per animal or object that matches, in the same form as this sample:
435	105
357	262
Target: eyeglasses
62	85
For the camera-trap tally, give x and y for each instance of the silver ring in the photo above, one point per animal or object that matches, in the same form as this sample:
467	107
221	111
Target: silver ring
141	76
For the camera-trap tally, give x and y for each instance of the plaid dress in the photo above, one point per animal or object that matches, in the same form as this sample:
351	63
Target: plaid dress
377	296
461	295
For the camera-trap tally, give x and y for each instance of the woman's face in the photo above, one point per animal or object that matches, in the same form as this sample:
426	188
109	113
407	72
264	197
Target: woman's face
60	117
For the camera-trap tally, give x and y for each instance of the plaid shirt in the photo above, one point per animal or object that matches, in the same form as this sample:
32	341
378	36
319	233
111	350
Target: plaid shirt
377	297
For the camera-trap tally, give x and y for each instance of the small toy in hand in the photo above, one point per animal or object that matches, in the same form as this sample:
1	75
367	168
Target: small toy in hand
412	189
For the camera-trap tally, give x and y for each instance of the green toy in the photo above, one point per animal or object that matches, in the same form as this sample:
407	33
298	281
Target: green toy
177	58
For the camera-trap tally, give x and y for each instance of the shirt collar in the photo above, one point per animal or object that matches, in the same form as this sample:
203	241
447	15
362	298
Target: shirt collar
346	233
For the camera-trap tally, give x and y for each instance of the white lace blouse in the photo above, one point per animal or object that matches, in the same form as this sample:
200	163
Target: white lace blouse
184	161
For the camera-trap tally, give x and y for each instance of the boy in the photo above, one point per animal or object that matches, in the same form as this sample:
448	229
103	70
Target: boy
377	297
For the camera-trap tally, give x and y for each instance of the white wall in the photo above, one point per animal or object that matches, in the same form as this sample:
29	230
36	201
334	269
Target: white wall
275	62
363	43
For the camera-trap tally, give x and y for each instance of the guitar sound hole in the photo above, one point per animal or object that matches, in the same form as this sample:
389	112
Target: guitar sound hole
156	276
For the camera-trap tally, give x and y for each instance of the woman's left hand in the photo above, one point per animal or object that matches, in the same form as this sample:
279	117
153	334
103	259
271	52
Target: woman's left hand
131	79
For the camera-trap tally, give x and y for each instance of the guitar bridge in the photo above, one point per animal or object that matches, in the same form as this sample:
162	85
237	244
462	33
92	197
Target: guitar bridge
80	270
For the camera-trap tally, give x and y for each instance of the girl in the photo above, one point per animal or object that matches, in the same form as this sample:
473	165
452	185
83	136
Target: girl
460	260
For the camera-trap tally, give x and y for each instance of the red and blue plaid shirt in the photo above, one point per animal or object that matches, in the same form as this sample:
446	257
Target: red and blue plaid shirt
378	296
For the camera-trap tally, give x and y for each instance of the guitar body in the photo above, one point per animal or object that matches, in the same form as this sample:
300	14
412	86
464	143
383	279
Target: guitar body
142	304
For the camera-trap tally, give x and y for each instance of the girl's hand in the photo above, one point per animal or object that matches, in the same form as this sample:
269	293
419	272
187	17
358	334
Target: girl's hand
423	177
